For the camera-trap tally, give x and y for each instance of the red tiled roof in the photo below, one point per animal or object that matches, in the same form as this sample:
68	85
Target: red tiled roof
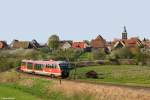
80	45
132	42
99	42
3	44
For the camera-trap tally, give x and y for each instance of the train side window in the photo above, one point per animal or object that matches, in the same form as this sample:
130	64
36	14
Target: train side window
29	65
49	66
46	66
52	66
38	66
55	66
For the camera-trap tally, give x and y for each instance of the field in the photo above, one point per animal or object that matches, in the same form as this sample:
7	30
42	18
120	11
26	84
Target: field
28	87
12	93
117	74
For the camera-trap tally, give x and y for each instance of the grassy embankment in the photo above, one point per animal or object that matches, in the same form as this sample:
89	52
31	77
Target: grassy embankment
25	87
12	93
132	75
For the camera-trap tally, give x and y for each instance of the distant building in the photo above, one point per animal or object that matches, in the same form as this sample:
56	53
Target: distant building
65	44
35	44
24	44
146	43
124	34
3	44
109	46
99	42
79	45
125	42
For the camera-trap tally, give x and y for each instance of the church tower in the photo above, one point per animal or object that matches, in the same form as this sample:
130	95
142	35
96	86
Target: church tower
124	34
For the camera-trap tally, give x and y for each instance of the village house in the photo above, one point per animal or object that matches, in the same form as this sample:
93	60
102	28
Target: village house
109	45
3	44
79	45
131	43
65	44
146	43
24	44
125	42
99	42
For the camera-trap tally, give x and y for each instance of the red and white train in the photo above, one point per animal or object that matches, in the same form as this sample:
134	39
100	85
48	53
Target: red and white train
51	68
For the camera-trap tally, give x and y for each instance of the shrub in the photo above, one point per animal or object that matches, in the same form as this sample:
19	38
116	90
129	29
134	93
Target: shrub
44	50
98	54
68	54
91	74
12	58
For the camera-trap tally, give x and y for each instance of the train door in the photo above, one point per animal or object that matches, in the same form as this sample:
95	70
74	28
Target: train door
30	66
23	66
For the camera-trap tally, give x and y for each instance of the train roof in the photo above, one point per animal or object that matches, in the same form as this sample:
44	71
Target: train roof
44	62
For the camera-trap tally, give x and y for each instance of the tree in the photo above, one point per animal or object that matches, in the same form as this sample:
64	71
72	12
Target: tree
124	53
98	54
68	54
143	57
53	42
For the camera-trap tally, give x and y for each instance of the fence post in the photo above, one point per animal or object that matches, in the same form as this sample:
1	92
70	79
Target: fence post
60	80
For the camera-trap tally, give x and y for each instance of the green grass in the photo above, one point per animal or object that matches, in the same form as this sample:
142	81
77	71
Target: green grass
36	90
117	74
24	87
40	88
86	56
8	93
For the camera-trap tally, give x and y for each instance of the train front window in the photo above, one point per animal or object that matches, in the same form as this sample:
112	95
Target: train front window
63	66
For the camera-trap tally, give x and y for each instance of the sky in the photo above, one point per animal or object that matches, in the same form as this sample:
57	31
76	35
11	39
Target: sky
73	19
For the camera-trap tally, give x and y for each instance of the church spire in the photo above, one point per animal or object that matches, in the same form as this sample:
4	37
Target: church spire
124	33
125	30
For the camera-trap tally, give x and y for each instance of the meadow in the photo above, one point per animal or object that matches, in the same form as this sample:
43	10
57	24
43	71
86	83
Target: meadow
26	87
132	75
12	93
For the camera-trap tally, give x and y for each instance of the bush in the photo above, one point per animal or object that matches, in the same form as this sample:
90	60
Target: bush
12	58
98	54
44	50
91	74
123	53
142	57
68	55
